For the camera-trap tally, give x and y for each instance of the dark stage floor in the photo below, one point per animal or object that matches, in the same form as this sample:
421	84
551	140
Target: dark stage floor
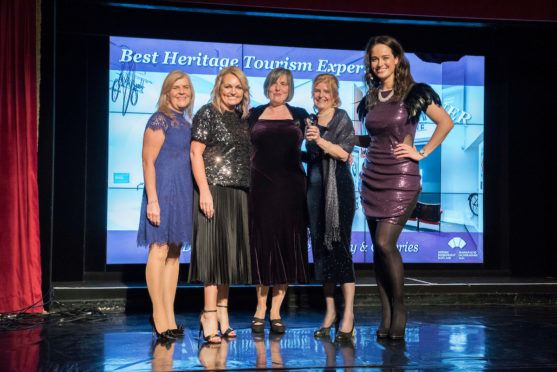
467	338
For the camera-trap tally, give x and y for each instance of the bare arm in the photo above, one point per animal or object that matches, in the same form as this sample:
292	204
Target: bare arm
335	151
198	168
152	143
444	125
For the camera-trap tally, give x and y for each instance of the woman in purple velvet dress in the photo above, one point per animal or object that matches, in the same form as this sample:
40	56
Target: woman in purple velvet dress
390	175
277	198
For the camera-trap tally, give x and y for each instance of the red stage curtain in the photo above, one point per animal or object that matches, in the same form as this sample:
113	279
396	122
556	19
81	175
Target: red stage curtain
20	256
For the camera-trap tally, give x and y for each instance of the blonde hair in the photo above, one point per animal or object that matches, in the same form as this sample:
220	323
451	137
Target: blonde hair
332	83
171	78
215	93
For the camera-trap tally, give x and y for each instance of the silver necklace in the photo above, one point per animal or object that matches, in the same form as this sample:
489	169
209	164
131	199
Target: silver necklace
380	97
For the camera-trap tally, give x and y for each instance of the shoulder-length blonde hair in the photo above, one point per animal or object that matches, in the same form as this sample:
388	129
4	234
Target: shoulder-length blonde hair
332	83
164	100
216	99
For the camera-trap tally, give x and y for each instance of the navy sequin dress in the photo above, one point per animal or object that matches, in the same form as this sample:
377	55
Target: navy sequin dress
173	184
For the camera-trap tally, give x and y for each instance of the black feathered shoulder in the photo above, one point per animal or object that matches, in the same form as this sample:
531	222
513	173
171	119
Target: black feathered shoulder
418	99
361	109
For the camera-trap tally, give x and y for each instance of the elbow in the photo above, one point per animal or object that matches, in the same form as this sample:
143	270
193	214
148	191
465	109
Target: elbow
194	154
147	163
449	124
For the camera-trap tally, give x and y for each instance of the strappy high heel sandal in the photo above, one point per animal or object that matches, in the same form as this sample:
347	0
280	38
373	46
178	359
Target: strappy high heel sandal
344	337
326	331
228	332
207	339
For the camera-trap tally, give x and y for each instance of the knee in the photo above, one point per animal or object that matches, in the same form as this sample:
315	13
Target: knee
383	246
158	253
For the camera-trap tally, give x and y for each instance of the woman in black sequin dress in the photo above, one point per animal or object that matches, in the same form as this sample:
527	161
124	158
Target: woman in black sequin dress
220	162
331	202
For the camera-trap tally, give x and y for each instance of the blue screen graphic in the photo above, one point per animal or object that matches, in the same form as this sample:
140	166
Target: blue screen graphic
452	176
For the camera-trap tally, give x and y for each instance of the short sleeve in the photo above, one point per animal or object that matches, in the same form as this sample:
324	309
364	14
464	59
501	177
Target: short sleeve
201	125
158	121
345	135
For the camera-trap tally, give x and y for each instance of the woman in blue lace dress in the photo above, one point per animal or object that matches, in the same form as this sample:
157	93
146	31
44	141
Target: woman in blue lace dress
166	211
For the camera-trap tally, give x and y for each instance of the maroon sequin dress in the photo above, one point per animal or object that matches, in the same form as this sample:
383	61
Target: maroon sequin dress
389	185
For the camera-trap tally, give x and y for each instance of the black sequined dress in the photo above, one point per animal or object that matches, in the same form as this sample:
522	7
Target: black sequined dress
220	250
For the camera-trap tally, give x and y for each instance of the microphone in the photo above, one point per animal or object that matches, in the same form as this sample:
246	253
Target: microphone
313	119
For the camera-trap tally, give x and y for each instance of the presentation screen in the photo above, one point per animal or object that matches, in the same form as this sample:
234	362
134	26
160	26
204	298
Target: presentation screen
447	225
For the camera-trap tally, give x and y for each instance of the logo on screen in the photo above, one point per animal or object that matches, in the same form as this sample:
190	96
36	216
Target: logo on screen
457	242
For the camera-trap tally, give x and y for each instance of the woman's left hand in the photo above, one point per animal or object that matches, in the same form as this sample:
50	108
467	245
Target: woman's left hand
312	133
403	150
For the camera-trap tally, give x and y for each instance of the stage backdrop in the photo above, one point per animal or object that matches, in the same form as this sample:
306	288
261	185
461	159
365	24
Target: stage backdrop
452	176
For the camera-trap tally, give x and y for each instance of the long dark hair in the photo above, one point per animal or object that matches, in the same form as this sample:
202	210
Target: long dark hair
403	79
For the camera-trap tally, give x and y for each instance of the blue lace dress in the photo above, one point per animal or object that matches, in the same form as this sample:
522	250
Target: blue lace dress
173	183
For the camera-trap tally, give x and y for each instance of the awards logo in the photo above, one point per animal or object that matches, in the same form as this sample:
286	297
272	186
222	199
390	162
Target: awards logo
457	242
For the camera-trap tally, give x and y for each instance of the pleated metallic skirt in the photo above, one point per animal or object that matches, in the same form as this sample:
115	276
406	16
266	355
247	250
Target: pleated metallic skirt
220	250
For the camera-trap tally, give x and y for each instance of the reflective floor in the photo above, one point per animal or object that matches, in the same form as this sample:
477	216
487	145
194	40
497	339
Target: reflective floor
444	338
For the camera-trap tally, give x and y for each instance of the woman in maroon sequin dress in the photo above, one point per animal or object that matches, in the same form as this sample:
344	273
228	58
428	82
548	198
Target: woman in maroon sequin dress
390	175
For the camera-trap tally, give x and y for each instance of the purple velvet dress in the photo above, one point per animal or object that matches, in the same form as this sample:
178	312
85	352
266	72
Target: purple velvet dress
277	204
389	185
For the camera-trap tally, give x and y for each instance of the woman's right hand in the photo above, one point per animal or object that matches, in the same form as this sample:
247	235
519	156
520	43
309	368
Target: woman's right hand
206	203
154	213
312	132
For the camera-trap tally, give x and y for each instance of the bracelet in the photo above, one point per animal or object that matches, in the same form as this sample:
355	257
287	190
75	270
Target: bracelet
422	153
153	201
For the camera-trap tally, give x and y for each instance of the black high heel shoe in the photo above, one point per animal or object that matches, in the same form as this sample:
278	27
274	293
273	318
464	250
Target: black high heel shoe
382	332
398	332
258	328
178	332
277	326
207	339
326	331
228	332
343	337
166	334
